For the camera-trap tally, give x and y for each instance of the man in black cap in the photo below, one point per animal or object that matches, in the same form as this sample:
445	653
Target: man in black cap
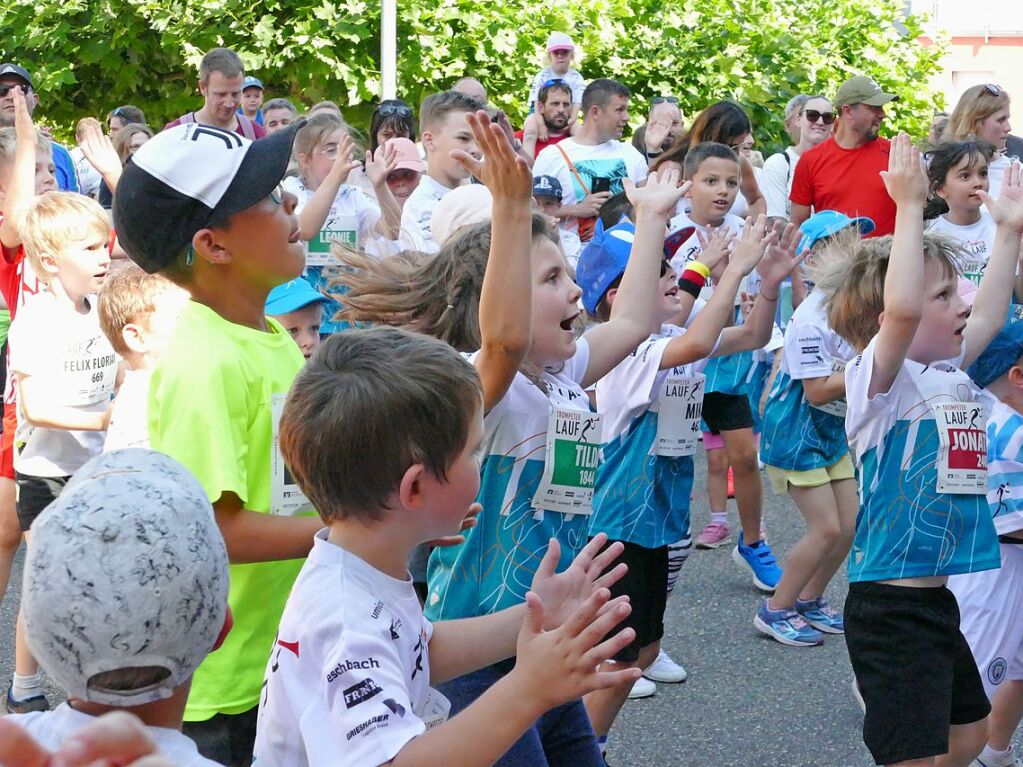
13	76
842	173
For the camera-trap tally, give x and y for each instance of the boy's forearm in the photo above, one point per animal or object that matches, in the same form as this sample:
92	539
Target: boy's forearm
314	214
469	644
504	326
698	341
251	536
65	418
633	302
389	225
903	297
20	192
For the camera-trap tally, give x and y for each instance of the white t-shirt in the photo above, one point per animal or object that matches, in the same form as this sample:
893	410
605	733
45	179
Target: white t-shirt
129	419
417	215
67	353
348	679
572	79
691	248
977	239
570	244
996	170
776	181
352	220
615	160
51	728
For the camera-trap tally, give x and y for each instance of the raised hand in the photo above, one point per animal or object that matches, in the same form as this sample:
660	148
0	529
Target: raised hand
1007	210
344	163
905	179
716	246
380	165
98	148
780	259
506	173
660	194
755	239
657	129
23	127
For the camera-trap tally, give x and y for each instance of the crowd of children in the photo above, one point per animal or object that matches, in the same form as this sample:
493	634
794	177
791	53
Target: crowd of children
322	457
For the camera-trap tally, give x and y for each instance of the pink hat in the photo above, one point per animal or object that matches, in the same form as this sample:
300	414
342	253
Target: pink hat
407	155
559	41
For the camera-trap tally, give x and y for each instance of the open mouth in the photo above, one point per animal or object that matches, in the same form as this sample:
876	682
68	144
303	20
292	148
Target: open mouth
295	236
959	330
567	324
673	292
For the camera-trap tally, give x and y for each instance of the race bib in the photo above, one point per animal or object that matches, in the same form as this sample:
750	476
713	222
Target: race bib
343	230
285	496
435	710
973	269
570	461
962	451
835	407
679	409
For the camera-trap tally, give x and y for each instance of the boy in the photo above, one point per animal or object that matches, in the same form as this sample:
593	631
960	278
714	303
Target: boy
547	195
201	206
991	603
138	313
361	684
443	128
64	372
252	99
125	593
298	307
917	434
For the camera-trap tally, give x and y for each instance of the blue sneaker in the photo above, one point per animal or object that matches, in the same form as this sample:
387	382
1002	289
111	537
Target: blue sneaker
760	559
786	626
821	615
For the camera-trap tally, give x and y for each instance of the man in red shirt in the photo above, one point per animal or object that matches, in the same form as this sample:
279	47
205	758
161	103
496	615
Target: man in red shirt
221	74
554	107
843	172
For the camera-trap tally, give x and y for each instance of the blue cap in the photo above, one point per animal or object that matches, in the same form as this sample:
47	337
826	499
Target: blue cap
825	223
252	82
1000	355
603	261
546	186
292	296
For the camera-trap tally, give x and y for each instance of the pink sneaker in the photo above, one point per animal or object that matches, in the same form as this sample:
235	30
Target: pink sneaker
713	535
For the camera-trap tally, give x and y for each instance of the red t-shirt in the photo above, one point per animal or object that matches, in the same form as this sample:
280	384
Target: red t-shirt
541	145
829	177
257	129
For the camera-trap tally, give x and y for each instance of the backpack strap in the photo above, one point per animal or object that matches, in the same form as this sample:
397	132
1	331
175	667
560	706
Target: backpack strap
571	167
246	125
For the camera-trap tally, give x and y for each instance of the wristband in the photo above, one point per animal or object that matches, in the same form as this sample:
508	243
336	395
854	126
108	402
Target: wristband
689	287
768	298
694	277
701	269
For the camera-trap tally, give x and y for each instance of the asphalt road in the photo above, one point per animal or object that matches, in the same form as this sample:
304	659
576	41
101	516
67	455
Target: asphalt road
748	702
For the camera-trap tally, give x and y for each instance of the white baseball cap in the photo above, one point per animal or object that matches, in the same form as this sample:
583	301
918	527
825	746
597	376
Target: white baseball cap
127	569
559	41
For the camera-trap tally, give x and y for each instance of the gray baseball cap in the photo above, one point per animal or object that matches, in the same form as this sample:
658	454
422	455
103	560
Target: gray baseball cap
127	570
862	90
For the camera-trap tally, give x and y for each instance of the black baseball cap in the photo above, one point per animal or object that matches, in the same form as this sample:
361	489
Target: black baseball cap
192	177
14	69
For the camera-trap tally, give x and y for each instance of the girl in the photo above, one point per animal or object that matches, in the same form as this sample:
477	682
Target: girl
983	113
126	142
393	118
541	440
331	211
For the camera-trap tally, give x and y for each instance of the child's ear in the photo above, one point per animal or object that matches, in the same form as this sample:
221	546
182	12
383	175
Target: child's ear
1016	376
610	298
940	191
49	262
206	246
427	139
410	489
134	337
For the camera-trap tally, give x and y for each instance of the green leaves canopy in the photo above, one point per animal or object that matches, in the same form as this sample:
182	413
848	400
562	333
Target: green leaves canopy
88	56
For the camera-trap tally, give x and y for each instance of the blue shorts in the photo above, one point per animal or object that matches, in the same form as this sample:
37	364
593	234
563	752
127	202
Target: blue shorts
562	737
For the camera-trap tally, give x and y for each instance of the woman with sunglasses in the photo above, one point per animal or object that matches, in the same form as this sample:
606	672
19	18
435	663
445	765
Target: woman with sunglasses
816	123
393	118
983	113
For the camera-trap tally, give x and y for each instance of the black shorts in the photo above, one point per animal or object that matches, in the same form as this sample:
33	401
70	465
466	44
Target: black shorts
726	412
914	669
646	585
34	495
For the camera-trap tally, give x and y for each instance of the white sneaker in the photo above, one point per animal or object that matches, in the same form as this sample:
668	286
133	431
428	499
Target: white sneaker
989	759
664	669
643	688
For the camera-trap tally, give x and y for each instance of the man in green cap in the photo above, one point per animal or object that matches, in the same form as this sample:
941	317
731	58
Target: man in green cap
843	173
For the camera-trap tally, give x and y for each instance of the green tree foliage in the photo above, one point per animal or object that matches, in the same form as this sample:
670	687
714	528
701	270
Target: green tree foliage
91	55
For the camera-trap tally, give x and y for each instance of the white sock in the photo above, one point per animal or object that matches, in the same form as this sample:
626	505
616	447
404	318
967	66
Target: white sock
721	517
24	687
990	754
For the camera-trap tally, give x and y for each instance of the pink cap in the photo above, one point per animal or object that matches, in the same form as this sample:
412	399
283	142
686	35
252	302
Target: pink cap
407	155
559	41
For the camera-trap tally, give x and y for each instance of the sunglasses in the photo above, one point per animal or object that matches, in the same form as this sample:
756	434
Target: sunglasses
555	81
401	110
277	195
664	100
994	90
813	116
5	89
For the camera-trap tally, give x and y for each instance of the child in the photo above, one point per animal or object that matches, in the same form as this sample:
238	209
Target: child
138	313
331	211
64	370
991	602
407	172
547	195
204	208
298	307
560	53
125	593
652	402
533	371
361	684
956	172
916	433
443	127
729	439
